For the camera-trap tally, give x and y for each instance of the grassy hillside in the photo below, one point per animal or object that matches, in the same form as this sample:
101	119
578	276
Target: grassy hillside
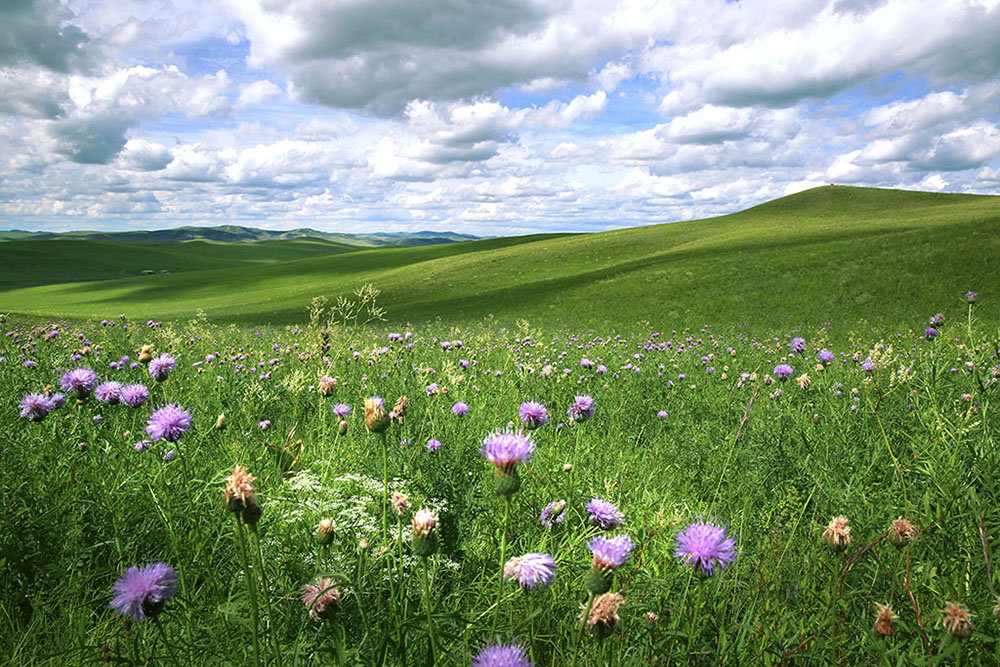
238	234
832	253
24	263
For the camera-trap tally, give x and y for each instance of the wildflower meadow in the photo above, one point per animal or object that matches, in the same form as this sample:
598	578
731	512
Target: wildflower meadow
187	493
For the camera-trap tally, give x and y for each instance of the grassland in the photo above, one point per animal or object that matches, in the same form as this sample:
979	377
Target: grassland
832	255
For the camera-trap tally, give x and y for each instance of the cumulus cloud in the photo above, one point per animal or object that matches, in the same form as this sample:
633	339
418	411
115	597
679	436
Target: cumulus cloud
103	110
41	32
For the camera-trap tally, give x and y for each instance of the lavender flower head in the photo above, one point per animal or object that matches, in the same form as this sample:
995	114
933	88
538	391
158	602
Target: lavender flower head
971	296
142	591
532	414
505	449
321	598
341	410
582	408
168	423
108	392
825	355
531	570
610	553
502	655
161	366
79	382
133	395
937	320
554	512
460	409
798	345
704	547
930	333
35	407
783	371
604	513
433	445
867	366
58	400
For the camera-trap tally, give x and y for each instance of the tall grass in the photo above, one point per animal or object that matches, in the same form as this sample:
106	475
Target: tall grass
772	461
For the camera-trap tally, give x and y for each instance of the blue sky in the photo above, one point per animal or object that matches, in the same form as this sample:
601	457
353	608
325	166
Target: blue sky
482	117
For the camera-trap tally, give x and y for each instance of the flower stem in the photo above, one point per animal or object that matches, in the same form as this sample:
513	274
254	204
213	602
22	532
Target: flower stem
503	553
267	603
252	583
163	635
427	606
580	628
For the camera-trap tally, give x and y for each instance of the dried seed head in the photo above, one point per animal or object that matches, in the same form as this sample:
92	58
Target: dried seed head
376	418
883	620
400	502
902	531
838	532
239	489
604	612
957	619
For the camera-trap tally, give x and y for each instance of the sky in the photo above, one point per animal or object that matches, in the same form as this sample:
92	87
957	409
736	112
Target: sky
487	117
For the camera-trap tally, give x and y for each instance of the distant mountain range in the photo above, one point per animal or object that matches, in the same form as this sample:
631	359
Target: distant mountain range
235	233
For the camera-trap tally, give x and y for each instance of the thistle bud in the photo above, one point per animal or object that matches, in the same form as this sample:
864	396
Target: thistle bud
506	481
327	385
838	532
376	418
220	422
324	531
902	532
424	541
145	354
400	502
239	495
342	427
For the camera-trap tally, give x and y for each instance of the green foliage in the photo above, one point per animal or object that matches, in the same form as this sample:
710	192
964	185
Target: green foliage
912	438
829	256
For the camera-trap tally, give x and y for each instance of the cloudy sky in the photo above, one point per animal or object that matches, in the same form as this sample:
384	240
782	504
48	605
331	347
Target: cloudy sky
482	116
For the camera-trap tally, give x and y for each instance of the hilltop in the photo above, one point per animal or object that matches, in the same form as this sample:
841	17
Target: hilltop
833	254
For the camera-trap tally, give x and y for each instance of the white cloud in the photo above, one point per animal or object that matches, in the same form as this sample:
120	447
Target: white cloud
257	92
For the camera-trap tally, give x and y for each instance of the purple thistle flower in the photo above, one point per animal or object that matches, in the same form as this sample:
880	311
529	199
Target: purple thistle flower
582	408
604	513
554	512
142	591
502	655
532	414
971	296
610	552
798	345
783	371
35	406
505	449
79	382
531	570
341	410
825	355
168	423
133	395
705	546
108	392
142	445
460	409
867	366
662	414
930	333
262	425
432	389
433	445
57	400
161	366
937	320
168	455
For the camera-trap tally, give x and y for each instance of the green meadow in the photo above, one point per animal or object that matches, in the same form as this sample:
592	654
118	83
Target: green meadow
768	374
832	255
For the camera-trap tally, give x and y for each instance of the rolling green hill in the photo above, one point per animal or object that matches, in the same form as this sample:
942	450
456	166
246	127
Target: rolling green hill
829	255
25	263
238	234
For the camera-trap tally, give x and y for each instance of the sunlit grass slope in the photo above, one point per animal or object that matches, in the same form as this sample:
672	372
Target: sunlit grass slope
830	255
